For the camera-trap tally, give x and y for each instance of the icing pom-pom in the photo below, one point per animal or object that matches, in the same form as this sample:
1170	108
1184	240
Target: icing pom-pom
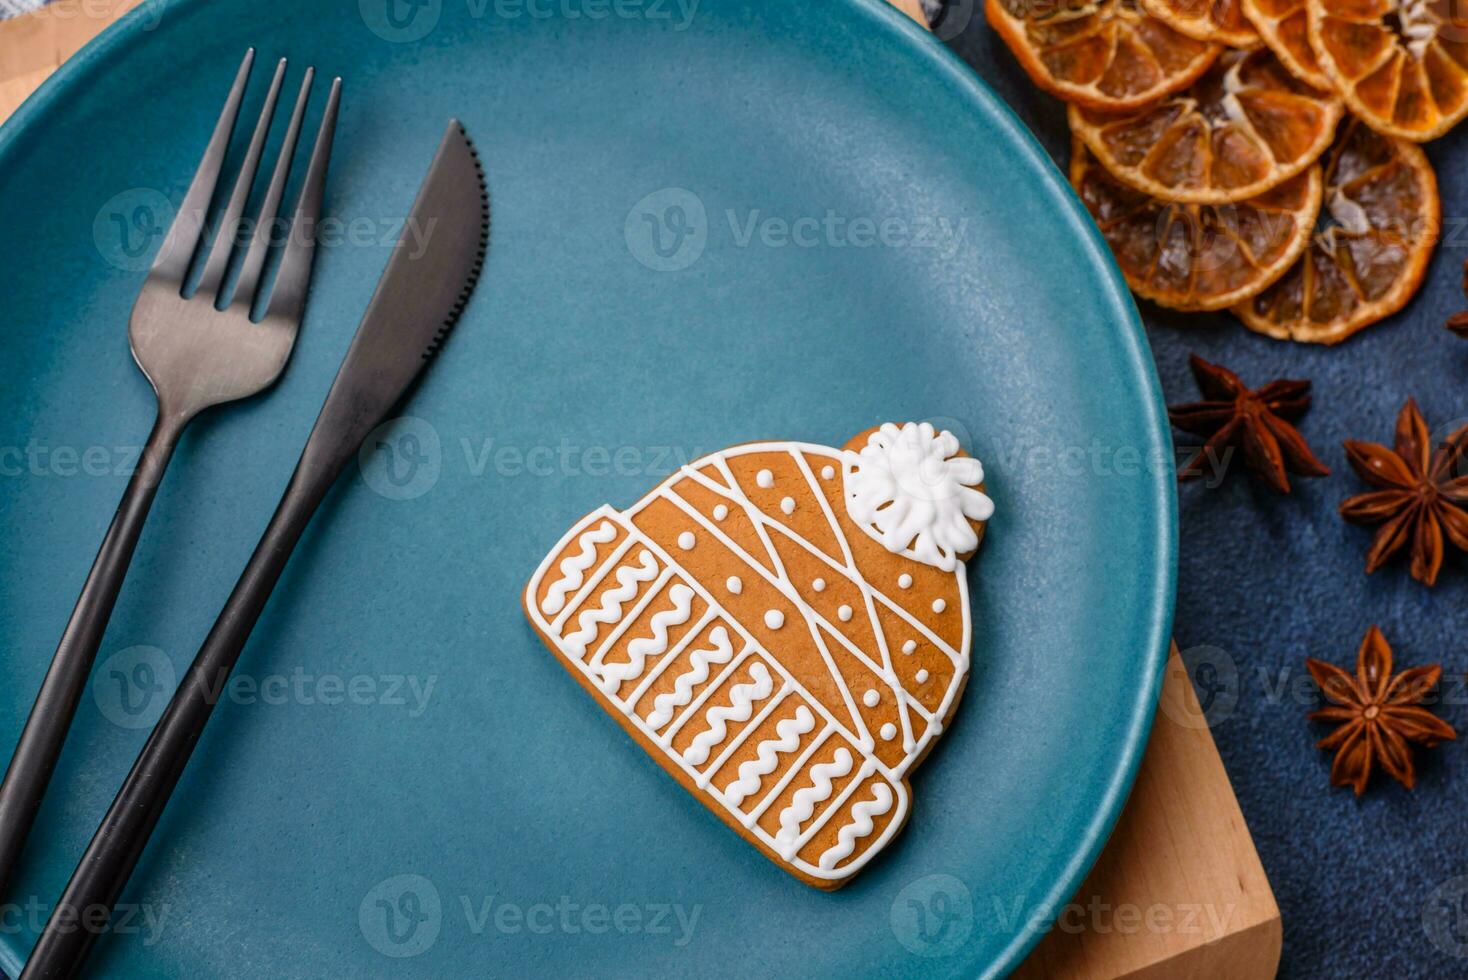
720	512
922	677
939	605
765	479
889	732
774	619
909	646
827	472
909	489
686	540
844	613
819	585
904	581
734	585
871	699
788	505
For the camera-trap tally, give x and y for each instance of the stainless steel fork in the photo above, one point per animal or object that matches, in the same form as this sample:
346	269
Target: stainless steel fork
197	350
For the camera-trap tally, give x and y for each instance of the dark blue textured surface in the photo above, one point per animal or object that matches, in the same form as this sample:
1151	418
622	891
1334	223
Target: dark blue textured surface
283	853
1266	581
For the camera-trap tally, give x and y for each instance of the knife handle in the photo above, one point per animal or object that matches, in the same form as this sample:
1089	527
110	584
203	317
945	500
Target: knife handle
115	848
50	719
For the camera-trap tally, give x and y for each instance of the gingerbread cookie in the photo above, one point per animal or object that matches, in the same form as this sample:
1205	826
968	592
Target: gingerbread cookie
784	627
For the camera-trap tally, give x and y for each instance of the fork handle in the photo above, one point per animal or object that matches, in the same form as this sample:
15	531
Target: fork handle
115	848
51	716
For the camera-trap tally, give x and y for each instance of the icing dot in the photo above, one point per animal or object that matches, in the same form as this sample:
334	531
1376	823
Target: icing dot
871	699
922	677
939	605
819	585
774	619
686	540
889	732
734	585
909	646
720	512
788	505
827	472
765	479
844	613
904	581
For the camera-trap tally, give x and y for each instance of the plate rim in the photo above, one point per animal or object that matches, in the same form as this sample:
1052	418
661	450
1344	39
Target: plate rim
948	68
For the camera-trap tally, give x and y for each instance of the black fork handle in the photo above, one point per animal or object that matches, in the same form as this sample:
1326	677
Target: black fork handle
119	842
51	716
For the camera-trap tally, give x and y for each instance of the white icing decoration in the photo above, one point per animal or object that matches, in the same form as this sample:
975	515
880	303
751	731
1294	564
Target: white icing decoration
686	540
649	646
774	619
904	581
788	505
861	826
939	605
844	614
871	699
573	568
739	708
734	584
922	676
803	803
628	579
909	490
708	675
786	740
665	704
765	479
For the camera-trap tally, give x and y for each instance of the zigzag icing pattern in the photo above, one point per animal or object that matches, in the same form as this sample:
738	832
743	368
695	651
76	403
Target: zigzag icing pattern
628	579
650	646
787	740
861	826
803	804
573	567
739	708
664	705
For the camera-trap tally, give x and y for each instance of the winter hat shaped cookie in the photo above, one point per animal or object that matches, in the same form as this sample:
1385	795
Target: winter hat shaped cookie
784	627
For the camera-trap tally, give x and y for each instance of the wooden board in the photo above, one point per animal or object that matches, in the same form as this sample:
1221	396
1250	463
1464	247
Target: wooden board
1179	891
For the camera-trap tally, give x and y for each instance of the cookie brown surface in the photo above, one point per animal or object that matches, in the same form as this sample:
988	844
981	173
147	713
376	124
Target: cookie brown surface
784	627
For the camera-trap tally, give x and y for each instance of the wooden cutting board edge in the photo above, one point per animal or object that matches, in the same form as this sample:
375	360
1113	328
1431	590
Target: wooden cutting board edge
1179	891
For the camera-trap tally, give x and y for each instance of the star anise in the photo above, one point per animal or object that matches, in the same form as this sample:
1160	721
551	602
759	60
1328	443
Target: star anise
1422	495
1258	421
1458	324
1379	715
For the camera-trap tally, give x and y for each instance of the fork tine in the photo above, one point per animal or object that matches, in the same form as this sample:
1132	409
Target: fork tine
244	290
173	258
288	297
229	227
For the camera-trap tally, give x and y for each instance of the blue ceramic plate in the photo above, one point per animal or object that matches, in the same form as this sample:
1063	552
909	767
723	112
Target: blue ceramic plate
712	224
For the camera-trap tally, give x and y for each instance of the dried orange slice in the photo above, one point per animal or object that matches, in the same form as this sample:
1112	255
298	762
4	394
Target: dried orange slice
1401	65
1285	27
1197	256
1106	54
1206	20
1247	125
1382	220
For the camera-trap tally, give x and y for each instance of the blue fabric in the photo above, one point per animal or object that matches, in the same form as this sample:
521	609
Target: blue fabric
1365	887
